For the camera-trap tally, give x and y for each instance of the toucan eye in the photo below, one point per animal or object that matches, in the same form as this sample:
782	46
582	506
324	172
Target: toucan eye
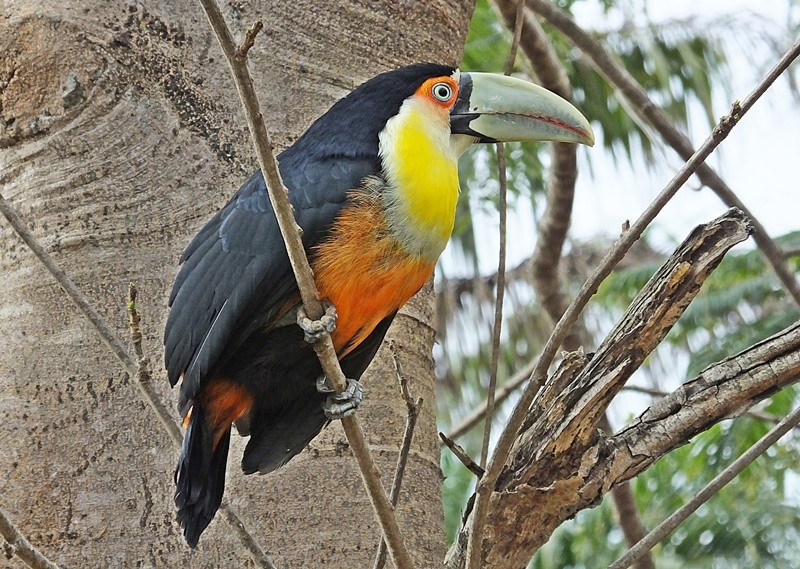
442	91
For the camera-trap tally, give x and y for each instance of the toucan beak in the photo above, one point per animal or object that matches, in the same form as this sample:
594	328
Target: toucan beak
496	108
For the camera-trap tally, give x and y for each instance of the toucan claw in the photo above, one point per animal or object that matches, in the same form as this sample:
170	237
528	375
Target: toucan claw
314	330
323	386
340	405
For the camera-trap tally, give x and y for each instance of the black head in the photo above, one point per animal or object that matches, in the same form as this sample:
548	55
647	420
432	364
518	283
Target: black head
351	126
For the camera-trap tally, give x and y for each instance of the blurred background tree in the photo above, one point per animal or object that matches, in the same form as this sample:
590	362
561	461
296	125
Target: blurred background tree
687	66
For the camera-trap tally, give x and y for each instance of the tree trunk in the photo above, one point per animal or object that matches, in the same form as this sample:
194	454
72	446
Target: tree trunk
120	134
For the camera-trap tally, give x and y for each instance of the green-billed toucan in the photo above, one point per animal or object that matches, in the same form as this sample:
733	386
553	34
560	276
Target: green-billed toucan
374	184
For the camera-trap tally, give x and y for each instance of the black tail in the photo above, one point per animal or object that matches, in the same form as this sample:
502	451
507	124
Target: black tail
200	475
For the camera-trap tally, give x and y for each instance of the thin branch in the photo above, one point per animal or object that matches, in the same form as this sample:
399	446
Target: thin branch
16	544
260	559
462	455
110	339
279	198
719	481
500	293
546	266
539	374
552	228
516	34
412	413
652	114
70	288
249	40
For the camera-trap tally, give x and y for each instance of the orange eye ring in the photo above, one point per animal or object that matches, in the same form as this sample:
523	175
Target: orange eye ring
442	91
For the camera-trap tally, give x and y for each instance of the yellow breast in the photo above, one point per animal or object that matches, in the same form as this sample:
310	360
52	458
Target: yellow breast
422	175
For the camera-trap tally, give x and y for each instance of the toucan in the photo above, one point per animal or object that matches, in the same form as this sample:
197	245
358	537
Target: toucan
374	184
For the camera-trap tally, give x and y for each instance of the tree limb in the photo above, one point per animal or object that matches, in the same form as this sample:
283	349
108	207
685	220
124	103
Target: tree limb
279	198
722	391
462	456
539	374
561	462
719	481
653	115
750	414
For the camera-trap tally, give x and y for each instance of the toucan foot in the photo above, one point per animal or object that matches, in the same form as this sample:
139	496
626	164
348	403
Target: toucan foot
340	405
314	330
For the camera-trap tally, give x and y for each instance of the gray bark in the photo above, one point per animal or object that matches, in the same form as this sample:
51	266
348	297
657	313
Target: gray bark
120	134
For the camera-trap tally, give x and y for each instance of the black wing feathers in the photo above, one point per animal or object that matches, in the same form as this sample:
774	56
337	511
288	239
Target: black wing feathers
292	414
236	272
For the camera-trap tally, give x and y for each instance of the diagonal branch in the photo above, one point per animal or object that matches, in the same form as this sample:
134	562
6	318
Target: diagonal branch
16	544
648	111
614	255
138	373
279	198
719	481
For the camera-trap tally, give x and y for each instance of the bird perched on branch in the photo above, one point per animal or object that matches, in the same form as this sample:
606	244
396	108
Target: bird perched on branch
374	185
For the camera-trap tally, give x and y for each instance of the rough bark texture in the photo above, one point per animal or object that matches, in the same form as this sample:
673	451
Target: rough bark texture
552	232
561	463
120	134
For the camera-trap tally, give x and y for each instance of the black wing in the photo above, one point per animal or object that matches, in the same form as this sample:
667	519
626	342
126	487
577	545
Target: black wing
236	271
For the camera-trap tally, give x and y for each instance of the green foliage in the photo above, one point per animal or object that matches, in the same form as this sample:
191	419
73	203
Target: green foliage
674	64
753	522
748	524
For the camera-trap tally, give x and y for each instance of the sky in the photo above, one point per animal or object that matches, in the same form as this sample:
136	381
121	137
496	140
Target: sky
759	160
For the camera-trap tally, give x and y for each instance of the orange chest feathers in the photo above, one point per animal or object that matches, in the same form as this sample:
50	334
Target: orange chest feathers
365	273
